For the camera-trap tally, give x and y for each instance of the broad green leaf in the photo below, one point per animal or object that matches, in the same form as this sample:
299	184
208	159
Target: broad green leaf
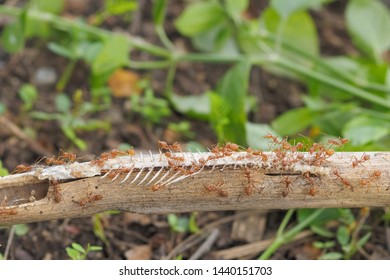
294	121
364	130
326	216
12	37
78	247
236	7
286	7
21	229
159	10
298	30
193	106
37	27
217	39
368	21
113	54
255	135
199	17
72	253
233	91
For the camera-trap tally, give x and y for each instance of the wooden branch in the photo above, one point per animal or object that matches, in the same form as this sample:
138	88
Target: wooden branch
194	182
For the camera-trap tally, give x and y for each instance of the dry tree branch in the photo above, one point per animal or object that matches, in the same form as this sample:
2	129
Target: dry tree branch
222	179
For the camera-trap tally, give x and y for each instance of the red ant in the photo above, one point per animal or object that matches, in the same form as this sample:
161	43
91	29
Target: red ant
288	189
90	198
217	188
8	212
360	161
22	168
250	185
338	142
157	187
69	157
56	190
346	182
274	138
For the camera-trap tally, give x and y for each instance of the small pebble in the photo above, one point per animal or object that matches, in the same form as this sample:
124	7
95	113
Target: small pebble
45	76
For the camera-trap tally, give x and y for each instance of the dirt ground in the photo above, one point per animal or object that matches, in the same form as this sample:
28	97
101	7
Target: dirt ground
139	236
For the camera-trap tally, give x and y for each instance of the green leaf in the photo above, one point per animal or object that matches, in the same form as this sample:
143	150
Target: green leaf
21	229
113	54
12	38
217	39
343	235
61	50
73	254
95	248
363	130
3	108
193	106
233	91
362	241
368	21
48	6
255	135
326	216
41	28
63	103
298	30
294	121
159	10
3	171
118	7
321	231
199	17
71	134
235	8
332	256
178	224
192	225
78	248
29	94
323	245
286	7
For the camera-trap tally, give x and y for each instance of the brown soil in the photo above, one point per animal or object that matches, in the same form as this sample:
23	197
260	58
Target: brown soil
136	236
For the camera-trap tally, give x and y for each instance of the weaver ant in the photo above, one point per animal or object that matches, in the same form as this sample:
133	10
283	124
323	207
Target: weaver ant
345	181
56	190
288	189
217	188
90	198
21	168
360	161
250	185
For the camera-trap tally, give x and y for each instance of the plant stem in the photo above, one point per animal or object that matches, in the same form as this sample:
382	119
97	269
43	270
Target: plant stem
66	24
322	64
309	73
282	238
66	75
